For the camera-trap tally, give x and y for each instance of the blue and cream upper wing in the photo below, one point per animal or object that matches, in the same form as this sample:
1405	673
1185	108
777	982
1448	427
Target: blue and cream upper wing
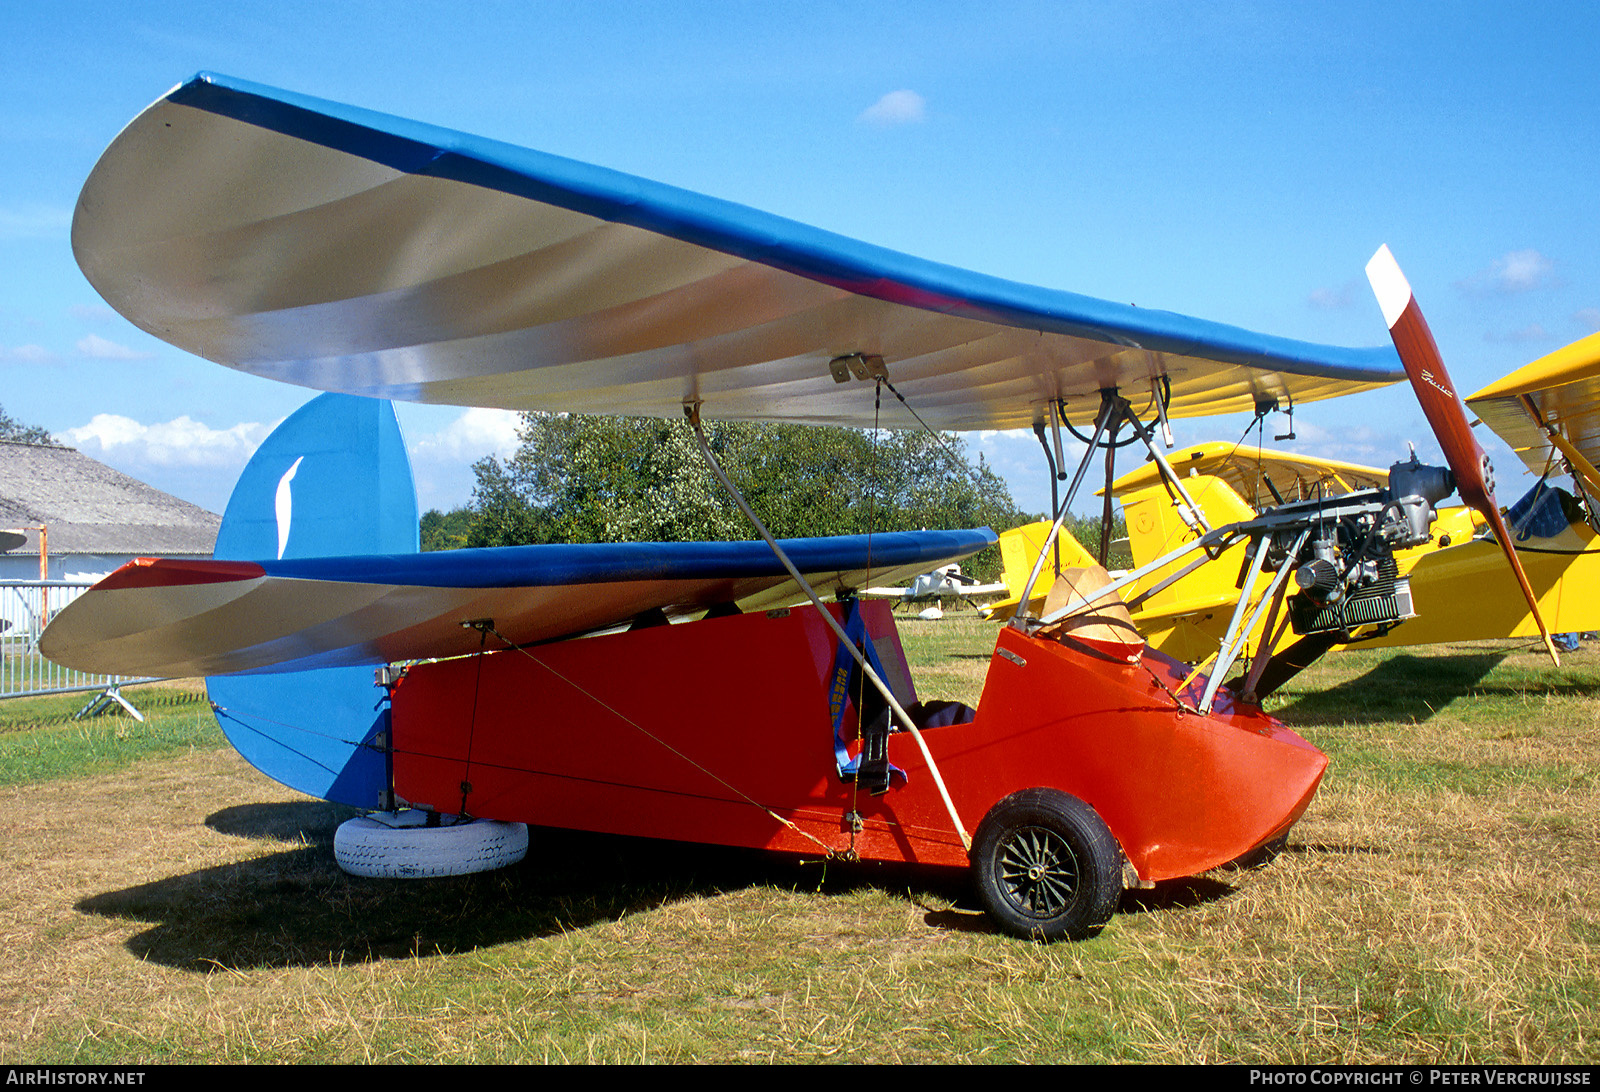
346	250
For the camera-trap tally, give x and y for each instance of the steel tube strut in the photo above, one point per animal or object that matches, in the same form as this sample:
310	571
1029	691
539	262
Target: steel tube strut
1581	466
1101	420
1233	640
1113	411
1222	538
692	412
1225	653
1191	512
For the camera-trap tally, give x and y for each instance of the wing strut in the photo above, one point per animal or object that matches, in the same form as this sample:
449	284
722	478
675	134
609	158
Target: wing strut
692	412
1114	412
1581	466
1238	627
1053	460
1102	419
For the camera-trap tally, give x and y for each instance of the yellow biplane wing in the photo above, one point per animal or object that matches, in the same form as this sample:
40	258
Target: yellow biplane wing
1550	410
1448	575
1261	477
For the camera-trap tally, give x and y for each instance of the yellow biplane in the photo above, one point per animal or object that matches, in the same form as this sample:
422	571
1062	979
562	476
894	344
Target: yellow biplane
1548	412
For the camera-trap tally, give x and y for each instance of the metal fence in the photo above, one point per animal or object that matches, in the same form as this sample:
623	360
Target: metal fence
26	606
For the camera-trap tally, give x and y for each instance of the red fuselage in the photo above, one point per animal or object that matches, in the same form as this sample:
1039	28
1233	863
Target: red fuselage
702	732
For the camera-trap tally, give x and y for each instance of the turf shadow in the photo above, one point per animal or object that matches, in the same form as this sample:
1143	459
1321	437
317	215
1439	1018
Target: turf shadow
1401	688
295	907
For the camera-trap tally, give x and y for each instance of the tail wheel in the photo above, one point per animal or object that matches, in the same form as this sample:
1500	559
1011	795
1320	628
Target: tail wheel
400	845
1046	867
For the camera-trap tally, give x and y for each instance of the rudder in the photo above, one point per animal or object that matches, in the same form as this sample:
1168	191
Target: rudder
333	479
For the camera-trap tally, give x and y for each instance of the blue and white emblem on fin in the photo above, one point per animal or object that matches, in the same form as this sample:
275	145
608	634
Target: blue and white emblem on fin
351	483
332	480
283	505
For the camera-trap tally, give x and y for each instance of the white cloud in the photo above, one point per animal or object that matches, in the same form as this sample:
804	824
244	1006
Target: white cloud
1589	316
182	441
895	108
91	312
987	434
1513	272
1015	455
1335	299
1351	443
1522	270
94	345
201	463
28	354
441	461
470	437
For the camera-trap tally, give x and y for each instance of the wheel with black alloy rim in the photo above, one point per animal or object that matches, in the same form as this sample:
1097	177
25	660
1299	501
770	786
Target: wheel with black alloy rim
1046	867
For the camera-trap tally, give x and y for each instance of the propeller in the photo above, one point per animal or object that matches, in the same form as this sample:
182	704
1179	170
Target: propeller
1446	414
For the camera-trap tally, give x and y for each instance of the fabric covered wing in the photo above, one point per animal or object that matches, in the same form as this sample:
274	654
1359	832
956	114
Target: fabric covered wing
345	250
183	618
1563	389
1247	469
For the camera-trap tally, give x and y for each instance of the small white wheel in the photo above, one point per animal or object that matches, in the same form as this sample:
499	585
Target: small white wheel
400	845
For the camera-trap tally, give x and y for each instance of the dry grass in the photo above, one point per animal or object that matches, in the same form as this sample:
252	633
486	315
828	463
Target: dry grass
1440	902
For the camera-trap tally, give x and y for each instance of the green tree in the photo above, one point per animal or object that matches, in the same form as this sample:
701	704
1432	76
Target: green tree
447	530
623	479
12	429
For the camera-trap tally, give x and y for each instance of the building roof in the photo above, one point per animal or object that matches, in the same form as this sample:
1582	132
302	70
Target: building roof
90	508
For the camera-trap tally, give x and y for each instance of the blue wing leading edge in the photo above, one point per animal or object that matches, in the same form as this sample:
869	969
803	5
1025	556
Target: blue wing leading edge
331	489
345	250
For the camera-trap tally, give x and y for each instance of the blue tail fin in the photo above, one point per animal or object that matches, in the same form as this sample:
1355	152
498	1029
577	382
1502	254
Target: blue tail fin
332	480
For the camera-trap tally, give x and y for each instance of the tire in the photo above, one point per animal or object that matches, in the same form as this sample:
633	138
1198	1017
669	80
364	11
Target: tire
398	845
1046	867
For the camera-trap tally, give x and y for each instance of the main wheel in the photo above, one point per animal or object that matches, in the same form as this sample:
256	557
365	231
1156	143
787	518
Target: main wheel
1046	867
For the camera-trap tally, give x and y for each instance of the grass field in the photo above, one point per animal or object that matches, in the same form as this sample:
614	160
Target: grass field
1440	902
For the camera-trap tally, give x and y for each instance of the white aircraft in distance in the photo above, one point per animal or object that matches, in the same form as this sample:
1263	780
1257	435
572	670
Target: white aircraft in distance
945	582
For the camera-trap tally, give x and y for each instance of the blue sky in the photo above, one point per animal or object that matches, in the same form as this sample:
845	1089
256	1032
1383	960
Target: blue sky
1235	161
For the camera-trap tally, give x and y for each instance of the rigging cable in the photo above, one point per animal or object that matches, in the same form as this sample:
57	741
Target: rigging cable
472	720
657	739
692	412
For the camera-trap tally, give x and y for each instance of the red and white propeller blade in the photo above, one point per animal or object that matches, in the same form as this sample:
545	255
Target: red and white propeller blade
1445	412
